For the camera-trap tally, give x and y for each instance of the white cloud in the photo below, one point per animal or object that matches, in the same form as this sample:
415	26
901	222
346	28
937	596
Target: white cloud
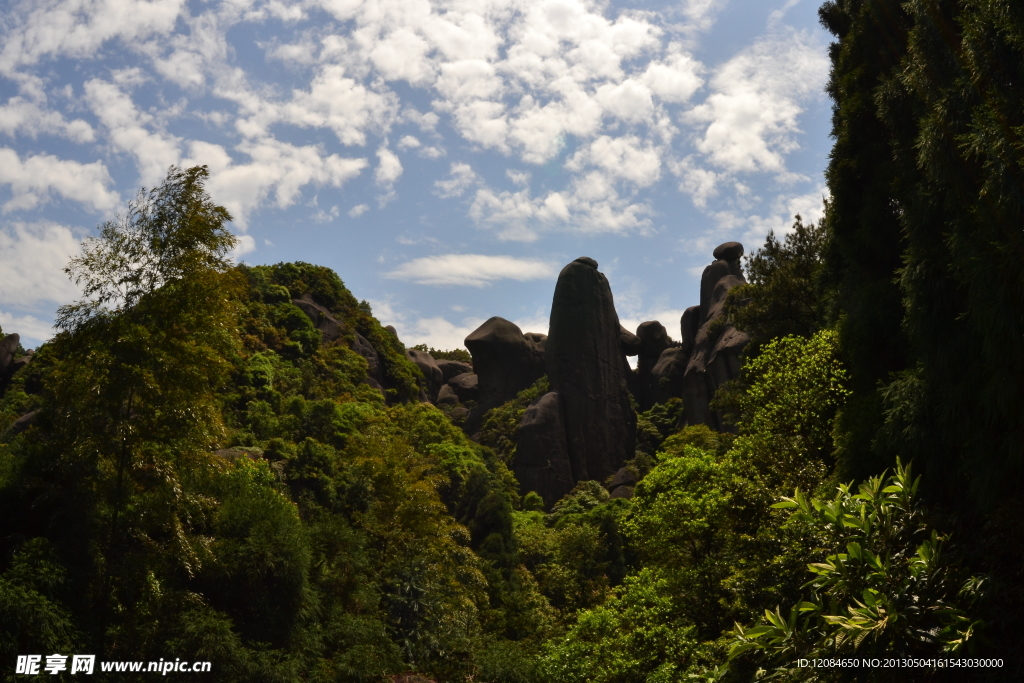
31	329
276	167
518	177
752	115
78	28
34	179
473	270
246	245
389	168
462	177
408	142
675	79
335	101
700	183
625	158
358	210
22	116
129	130
32	260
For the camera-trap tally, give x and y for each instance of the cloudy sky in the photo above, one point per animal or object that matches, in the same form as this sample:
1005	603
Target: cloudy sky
445	157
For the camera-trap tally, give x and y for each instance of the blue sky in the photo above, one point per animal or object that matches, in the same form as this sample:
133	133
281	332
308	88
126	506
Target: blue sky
445	158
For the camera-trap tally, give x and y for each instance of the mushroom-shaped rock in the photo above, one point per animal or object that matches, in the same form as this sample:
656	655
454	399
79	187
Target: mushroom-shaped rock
729	251
542	458
452	368
505	361
431	373
587	368
721	267
466	387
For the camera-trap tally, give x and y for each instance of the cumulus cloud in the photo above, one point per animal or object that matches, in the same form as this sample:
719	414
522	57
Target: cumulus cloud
36	178
752	113
246	245
473	270
130	130
389	168
26	117
78	28
32	330
32	259
276	169
460	179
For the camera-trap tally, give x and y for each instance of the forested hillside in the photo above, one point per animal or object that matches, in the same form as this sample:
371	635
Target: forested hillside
239	464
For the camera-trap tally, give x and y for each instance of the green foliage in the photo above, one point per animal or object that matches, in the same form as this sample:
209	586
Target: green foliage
461	355
654	425
782	297
884	588
637	636
796	387
499	427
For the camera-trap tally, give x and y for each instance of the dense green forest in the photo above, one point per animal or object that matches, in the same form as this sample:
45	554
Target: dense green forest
192	469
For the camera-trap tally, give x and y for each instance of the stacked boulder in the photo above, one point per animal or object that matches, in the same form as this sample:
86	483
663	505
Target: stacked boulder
506	361
709	352
717	344
584	428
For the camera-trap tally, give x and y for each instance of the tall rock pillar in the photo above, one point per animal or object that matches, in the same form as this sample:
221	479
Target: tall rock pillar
585	364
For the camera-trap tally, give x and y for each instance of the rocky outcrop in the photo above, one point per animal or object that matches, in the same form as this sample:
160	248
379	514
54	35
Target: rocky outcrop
330	327
20	425
505	361
466	387
666	378
586	367
715	358
542	455
333	329
452	368
431	373
446	396
654	340
689	324
8	347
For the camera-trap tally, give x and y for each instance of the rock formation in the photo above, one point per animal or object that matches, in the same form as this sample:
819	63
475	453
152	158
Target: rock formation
431	373
715	358
466	386
505	361
8	347
585	365
452	368
542	456
332	329
653	341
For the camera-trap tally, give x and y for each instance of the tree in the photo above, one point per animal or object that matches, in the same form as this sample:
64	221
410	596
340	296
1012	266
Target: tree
131	407
782	295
